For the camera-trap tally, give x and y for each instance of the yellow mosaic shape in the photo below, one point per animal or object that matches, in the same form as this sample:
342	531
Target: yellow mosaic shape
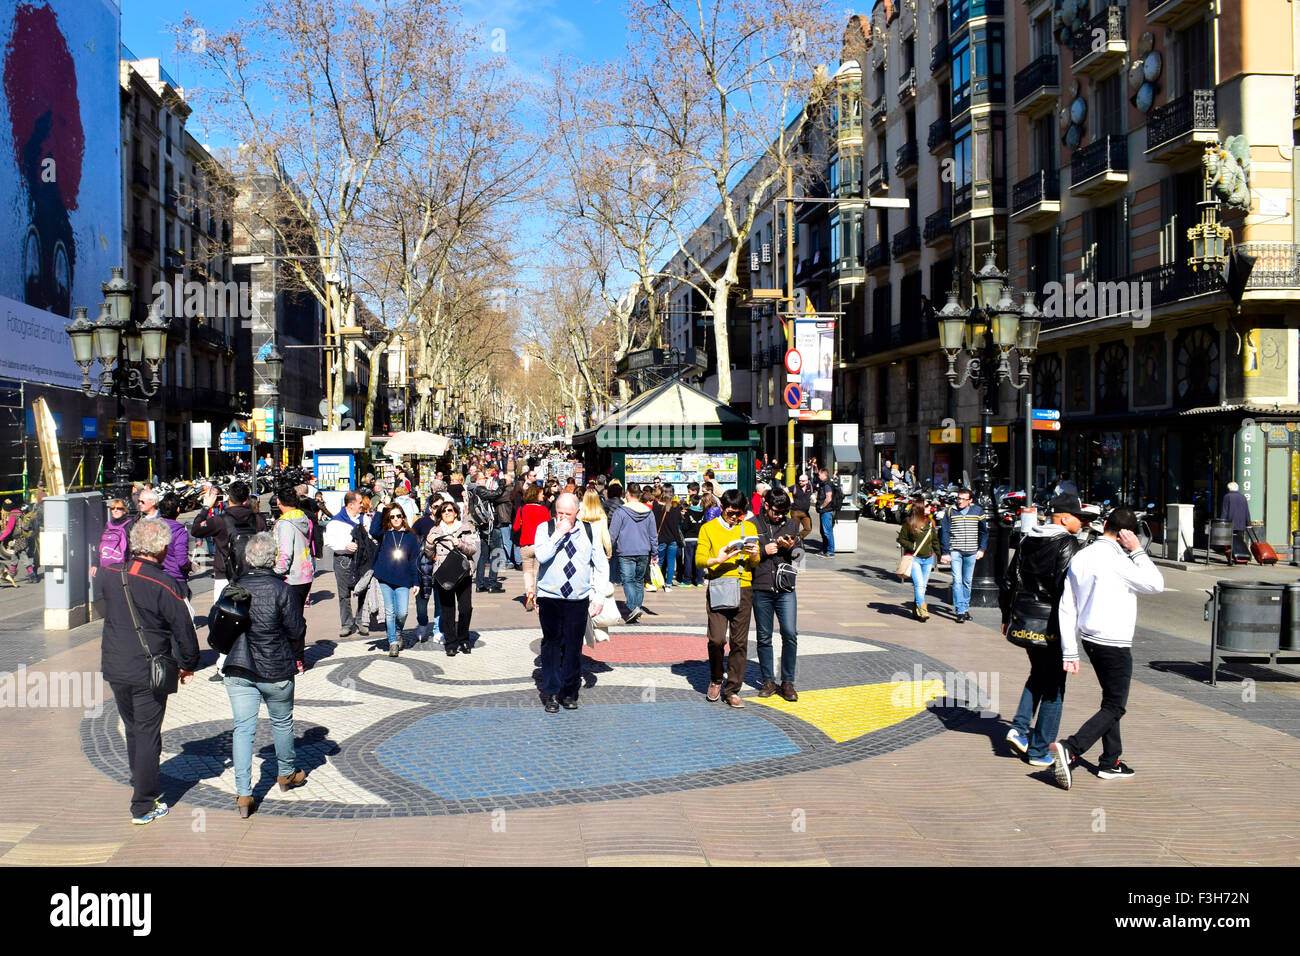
844	713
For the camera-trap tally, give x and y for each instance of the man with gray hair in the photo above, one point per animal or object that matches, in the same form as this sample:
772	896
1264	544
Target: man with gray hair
146	616
572	575
1236	508
148	502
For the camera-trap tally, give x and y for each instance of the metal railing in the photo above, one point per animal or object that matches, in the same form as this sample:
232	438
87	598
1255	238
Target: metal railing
907	157
907	84
1112	21
1044	71
1105	153
879	110
878	178
1042	186
1277	264
142	239
1195	109
906	240
140	175
940	133
939	54
937	225
878	255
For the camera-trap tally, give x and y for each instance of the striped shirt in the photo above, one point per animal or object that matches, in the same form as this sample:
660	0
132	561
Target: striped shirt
964	531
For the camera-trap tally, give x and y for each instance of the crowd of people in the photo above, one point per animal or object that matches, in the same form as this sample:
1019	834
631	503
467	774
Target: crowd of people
574	541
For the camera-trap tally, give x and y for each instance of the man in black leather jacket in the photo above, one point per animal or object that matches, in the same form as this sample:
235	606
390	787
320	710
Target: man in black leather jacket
1035	582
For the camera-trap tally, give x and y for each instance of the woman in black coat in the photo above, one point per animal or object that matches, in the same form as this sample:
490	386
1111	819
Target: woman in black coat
261	667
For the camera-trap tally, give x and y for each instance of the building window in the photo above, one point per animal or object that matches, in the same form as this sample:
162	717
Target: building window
960	75
986	67
1109	243
1110	106
913	392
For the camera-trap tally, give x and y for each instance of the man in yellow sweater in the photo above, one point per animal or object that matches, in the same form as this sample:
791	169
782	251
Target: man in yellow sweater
722	553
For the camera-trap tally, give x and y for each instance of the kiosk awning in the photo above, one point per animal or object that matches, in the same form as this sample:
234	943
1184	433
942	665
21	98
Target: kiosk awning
846	454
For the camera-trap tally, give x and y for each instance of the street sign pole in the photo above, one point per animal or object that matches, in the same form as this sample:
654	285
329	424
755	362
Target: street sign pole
789	291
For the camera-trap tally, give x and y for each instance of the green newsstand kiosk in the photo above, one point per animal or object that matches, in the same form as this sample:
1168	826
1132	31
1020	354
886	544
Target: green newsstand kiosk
676	432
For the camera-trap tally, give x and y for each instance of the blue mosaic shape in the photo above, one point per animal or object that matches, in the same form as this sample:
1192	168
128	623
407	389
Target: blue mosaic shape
569	569
566	589
504	751
570	549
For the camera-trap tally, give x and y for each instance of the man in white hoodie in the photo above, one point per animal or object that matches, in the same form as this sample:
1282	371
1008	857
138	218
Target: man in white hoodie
1099	609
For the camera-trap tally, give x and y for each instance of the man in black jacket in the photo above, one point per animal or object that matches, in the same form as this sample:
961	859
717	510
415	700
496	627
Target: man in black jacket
1034	585
211	523
778	543
157	605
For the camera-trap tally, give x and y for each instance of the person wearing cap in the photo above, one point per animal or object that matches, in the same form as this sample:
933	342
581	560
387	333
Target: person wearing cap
1035	582
1236	508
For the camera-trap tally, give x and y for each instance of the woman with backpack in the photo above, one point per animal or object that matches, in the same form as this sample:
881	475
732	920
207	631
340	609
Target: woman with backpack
294	559
396	569
918	538
114	543
455	591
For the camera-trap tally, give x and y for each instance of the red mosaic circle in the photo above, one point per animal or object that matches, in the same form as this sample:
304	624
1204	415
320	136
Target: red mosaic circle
642	648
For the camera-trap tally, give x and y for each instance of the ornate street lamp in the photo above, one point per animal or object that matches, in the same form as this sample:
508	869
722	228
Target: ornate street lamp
120	346
987	334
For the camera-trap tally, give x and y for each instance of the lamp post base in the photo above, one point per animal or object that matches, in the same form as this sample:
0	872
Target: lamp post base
990	570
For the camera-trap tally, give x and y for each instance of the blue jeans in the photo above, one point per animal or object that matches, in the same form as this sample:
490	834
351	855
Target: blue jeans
963	570
422	609
668	561
783	604
1044	692
491	556
692	573
828	531
614	565
395	604
921	568
246	698
500	553
632	572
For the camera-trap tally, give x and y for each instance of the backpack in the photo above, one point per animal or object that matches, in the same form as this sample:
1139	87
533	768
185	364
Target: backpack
482	511
586	526
237	537
114	543
837	496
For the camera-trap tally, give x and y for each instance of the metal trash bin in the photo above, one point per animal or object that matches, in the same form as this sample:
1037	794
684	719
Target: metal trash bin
1247	620
1290	640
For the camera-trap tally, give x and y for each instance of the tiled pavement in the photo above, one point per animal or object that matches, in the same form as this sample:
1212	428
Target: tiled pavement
433	760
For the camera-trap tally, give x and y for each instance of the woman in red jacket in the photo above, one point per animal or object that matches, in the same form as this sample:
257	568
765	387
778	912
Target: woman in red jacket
527	520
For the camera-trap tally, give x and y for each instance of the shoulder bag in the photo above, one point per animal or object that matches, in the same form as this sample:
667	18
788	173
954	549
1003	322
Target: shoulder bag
785	575
164	672
452	570
904	568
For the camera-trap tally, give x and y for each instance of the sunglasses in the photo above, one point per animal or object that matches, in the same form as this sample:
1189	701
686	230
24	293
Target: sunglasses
733	513
117	508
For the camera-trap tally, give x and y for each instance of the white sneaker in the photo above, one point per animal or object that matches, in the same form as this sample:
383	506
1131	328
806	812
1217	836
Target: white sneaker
437	636
422	633
668	587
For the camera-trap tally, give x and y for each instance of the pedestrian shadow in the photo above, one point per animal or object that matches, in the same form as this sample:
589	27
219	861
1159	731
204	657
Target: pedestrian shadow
178	775
315	596
893	610
319	651
696	674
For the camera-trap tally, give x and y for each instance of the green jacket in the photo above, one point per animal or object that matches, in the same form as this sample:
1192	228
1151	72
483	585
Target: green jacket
918	545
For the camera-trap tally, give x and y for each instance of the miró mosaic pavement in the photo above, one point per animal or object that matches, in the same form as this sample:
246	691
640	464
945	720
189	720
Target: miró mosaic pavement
424	734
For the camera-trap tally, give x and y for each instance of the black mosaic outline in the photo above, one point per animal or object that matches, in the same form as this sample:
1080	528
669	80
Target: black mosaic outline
106	750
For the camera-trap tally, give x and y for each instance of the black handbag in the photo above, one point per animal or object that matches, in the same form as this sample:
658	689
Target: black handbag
1031	623
229	618
164	672
452	570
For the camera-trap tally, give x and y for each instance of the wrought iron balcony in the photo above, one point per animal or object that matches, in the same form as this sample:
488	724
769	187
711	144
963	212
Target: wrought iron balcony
1036	198
1168	11
1101	165
142	240
907	157
1182	127
1038	85
173	260
169	199
938	226
878	179
939	57
907	242
1277	265
907	86
878	257
940	134
879	111
208	335
140	175
1103	43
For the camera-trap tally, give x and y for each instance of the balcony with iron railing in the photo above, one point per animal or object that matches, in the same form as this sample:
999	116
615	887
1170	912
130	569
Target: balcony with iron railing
169	200
938	226
1102	45
140	175
1100	166
1038	86
878	257
906	158
939	135
1181	128
939	57
915	328
1037	199
907	86
173	260
1169	11
879	110
878	179
142	240
207	334
907	242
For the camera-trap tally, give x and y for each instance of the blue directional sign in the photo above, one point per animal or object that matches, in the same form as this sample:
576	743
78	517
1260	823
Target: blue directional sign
234	441
1047	414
